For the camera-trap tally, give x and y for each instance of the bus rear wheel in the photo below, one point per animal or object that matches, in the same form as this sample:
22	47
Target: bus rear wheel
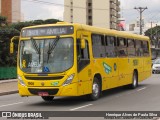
47	98
96	90
134	80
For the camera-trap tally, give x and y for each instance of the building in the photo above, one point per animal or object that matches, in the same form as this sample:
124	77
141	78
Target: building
11	9
134	27
100	13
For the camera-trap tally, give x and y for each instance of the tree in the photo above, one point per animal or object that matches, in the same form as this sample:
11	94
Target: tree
6	33
3	21
51	21
154	35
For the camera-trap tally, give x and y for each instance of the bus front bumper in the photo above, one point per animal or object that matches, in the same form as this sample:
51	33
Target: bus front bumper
68	90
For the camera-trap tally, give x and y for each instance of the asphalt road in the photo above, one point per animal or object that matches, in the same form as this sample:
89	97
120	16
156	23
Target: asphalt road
146	97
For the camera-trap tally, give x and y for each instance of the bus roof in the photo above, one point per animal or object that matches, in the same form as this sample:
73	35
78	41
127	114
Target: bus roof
97	30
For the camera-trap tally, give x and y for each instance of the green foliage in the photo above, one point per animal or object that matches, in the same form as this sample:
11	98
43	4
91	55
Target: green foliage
51	21
153	32
3	20
7	32
154	35
18	26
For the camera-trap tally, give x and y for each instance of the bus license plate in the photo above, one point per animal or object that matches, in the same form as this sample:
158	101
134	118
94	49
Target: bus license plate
43	94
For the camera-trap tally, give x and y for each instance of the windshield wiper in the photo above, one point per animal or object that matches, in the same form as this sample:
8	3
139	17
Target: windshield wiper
52	47
37	49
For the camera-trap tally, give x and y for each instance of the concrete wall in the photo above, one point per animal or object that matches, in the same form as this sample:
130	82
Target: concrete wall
79	12
67	13
101	13
16	8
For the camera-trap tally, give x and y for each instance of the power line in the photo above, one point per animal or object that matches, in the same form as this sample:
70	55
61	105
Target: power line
61	5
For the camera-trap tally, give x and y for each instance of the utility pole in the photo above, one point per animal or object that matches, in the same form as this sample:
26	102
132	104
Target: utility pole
140	10
157	38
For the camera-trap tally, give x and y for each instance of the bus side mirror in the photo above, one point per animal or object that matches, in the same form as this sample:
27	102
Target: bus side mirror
11	47
83	44
12	43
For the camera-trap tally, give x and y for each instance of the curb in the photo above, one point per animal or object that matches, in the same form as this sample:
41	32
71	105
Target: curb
9	92
6	81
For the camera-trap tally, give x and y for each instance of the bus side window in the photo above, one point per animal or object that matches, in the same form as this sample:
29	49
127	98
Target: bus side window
110	46
145	48
131	47
98	46
122	47
139	50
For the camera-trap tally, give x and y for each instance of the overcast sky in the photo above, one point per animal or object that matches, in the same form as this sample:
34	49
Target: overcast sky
33	11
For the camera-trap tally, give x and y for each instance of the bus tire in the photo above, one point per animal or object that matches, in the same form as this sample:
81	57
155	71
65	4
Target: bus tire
96	90
47	98
134	80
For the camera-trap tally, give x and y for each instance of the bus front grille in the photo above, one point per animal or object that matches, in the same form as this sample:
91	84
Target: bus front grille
44	78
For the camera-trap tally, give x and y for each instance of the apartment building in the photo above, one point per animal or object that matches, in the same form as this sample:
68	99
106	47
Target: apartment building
100	13
11	9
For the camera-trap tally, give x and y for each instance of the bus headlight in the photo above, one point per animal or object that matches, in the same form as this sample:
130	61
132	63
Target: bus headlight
69	80
21	81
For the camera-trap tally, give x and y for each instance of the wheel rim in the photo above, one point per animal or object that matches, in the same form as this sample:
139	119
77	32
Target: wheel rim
95	89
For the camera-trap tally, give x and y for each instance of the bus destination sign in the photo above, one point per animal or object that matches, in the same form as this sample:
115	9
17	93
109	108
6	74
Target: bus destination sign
47	31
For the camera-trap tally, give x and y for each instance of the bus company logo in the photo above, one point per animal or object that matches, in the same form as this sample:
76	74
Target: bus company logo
42	83
108	69
6	114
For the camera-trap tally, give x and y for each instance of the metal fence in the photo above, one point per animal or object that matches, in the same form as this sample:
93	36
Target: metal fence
8	73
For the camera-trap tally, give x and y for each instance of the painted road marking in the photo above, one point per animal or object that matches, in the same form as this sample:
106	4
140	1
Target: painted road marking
11	104
141	89
80	107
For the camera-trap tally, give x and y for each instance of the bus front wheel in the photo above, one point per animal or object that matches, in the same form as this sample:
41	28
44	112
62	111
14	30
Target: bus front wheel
96	90
47	98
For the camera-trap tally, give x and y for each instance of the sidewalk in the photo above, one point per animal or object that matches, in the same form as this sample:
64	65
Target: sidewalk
8	87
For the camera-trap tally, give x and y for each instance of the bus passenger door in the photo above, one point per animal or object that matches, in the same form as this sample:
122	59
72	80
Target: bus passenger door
83	68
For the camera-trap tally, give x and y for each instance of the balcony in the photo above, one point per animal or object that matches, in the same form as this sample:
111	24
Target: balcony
113	1
118	15
113	13
118	9
113	26
113	6
113	19
118	3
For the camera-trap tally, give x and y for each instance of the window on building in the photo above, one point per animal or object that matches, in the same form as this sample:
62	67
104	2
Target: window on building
89	10
98	46
89	4
89	17
90	23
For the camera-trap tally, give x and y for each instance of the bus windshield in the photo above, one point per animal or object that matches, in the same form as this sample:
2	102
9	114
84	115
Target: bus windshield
46	55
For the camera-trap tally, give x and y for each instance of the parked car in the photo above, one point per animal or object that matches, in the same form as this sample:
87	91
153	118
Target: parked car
156	66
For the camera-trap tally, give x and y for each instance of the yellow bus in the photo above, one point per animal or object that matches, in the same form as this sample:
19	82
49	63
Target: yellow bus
66	59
